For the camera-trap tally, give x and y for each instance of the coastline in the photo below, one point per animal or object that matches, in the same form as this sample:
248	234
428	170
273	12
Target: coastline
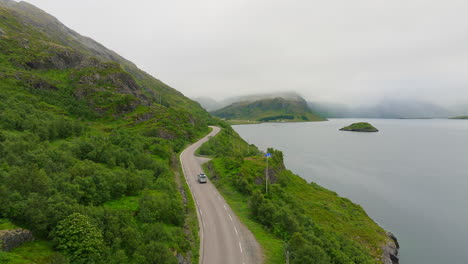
235	122
390	248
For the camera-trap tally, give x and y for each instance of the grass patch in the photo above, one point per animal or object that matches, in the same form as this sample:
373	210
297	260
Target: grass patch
35	252
5	224
125	203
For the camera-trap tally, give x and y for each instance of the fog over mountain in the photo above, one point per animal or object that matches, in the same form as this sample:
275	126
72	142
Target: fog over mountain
387	108
211	104
348	52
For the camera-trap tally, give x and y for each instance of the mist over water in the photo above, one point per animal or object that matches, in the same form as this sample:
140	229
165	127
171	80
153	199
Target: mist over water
411	177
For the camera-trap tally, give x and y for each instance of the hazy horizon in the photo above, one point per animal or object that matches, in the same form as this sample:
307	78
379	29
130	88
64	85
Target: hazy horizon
336	51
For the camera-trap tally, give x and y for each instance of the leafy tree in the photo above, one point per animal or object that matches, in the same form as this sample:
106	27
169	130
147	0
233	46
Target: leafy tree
79	239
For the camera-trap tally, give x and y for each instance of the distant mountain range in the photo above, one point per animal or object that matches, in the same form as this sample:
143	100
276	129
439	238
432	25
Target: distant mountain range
388	108
280	107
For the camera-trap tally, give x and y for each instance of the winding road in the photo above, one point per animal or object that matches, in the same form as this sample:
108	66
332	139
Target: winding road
223	238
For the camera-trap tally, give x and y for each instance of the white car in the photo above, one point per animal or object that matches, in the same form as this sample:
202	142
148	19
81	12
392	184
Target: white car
202	178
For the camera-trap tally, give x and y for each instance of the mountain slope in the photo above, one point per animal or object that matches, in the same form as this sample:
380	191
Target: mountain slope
55	31
88	147
270	109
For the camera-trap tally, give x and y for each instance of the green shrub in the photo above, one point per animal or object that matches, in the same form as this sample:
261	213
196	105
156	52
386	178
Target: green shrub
79	238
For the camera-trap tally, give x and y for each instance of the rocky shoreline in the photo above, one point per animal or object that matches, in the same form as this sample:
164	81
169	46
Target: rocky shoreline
390	250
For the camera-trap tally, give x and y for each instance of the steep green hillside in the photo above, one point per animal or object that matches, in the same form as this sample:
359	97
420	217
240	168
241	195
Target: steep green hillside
88	149
267	110
49	27
314	224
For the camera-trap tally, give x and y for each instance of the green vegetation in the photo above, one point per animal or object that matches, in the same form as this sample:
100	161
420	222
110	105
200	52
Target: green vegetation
88	150
78	238
459	117
360	127
227	143
314	224
268	110
38	252
241	122
5	224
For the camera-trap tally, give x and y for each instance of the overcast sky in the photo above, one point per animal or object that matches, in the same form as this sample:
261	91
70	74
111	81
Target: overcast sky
329	50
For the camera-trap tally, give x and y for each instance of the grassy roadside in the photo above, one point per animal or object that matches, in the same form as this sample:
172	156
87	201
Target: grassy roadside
272	247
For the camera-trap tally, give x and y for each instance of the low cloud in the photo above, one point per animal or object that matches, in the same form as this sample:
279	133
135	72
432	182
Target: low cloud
353	52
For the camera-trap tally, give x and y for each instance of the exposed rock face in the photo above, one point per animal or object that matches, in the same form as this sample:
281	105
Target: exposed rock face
35	82
390	251
10	239
182	260
58	57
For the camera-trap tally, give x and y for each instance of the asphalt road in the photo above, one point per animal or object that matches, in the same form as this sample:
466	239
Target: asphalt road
223	239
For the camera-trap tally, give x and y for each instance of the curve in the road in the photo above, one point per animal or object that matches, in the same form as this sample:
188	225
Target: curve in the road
223	238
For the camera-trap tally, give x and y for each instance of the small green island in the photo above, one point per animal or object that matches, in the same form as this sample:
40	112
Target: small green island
360	127
459	117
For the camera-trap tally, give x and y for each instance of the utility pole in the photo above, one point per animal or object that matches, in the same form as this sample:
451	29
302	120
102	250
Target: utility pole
266	172
287	257
266	178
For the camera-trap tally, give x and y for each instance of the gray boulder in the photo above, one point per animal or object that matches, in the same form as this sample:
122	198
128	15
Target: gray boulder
10	239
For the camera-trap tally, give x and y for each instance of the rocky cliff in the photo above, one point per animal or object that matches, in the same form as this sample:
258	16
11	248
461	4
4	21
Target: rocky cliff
390	250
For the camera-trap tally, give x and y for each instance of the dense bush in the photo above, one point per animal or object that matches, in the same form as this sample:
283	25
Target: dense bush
79	238
157	206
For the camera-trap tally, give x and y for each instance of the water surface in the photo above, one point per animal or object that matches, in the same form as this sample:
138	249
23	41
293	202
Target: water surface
411	177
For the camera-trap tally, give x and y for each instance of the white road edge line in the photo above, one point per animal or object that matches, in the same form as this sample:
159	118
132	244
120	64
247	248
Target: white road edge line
225	208
235	229
230	217
240	246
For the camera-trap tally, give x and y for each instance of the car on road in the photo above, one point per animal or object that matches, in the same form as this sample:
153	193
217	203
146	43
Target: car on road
202	178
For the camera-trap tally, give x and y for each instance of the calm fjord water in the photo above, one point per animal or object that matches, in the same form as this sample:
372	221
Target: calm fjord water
411	177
